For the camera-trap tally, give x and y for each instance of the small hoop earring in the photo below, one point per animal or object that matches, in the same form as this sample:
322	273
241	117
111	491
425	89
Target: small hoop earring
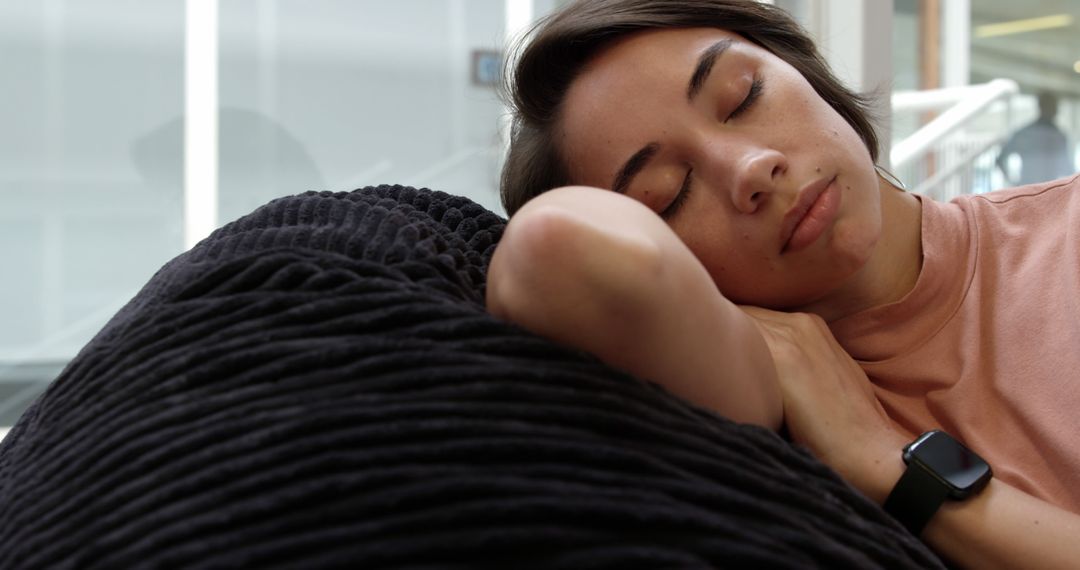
890	177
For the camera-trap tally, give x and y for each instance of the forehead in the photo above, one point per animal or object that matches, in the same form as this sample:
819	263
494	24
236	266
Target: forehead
618	99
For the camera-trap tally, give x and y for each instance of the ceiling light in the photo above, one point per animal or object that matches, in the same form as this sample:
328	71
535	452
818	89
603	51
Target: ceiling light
1076	67
1021	26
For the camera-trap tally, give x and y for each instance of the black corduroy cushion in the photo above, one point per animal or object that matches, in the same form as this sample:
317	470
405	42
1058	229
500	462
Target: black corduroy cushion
317	384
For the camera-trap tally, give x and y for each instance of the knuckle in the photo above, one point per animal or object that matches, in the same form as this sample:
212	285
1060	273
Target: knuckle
807	321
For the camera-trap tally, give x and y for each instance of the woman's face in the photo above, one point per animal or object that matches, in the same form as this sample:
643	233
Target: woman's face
769	187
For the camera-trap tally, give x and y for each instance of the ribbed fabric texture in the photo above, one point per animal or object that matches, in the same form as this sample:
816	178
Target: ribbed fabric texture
317	385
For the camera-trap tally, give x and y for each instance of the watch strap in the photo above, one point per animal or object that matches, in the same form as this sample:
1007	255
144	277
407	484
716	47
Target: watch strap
915	498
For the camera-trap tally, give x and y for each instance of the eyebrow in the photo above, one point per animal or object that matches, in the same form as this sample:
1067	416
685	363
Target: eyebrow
704	67
633	166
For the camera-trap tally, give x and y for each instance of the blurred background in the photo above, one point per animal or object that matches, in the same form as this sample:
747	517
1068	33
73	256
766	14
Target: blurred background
130	129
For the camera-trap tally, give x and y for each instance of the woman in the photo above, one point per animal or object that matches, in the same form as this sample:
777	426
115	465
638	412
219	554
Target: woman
739	181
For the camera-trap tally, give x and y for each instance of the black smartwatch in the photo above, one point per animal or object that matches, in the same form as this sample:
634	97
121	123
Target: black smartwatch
938	468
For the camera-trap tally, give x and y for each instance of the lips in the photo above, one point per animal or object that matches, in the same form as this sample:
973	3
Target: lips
816	206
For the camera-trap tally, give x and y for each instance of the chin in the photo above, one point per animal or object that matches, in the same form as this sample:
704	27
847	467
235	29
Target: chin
854	244
809	291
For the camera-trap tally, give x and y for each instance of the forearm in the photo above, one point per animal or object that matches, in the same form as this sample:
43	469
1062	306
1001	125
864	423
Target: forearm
600	272
1004	527
1001	527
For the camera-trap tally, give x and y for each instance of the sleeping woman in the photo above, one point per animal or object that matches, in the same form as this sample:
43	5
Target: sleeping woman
694	200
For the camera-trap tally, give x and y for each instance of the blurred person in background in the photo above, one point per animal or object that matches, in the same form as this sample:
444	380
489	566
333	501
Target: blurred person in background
1044	150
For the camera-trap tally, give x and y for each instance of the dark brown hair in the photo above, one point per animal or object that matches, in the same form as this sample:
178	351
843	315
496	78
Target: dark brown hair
550	57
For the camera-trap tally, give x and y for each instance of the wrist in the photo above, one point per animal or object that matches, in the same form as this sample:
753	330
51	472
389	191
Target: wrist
938	469
884	468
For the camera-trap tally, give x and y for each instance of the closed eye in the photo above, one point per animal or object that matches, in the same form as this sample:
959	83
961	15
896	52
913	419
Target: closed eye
680	197
751	96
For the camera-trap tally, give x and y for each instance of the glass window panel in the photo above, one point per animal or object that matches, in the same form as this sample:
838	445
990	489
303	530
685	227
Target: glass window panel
338	94
90	185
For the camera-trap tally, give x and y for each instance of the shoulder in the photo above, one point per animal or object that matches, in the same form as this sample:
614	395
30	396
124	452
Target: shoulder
1051	194
1032	204
1025	214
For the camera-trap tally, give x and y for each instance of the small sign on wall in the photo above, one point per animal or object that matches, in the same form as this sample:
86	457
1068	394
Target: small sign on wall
486	67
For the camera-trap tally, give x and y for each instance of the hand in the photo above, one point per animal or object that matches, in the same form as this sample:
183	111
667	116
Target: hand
829	403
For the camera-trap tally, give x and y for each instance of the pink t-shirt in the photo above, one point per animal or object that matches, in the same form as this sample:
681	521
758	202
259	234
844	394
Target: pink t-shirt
987	344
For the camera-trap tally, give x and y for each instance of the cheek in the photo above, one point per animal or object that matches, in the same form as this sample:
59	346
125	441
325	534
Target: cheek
713	252
732	256
736	273
857	236
850	139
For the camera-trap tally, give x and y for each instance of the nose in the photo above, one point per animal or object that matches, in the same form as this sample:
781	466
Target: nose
756	174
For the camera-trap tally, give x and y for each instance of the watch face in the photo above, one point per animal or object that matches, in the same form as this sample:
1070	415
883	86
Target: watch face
961	468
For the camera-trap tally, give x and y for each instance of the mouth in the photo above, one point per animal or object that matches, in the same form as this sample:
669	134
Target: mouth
814	210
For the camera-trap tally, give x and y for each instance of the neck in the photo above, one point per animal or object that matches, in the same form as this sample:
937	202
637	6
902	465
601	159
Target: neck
894	265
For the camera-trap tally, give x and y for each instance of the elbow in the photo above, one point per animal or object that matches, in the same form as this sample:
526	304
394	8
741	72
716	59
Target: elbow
528	252
556	268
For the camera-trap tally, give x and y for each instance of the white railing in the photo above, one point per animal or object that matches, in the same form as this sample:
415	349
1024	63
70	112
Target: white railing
939	158
961	104
959	167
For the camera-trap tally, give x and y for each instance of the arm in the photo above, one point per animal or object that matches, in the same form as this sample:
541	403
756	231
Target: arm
830	407
600	272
